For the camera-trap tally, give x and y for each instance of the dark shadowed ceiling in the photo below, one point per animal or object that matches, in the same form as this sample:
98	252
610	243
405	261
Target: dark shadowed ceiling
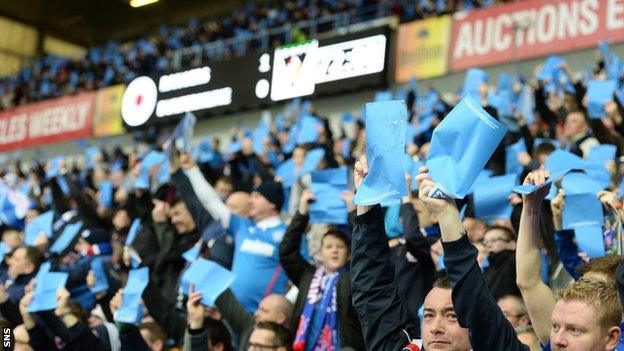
94	22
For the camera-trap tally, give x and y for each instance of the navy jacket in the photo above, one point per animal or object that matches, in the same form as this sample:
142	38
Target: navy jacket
474	305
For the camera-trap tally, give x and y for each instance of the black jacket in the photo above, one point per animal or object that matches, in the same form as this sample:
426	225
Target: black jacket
475	307
500	276
300	273
386	324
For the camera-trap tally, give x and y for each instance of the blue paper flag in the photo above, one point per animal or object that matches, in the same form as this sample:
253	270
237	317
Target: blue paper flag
539	141
559	163
598	93
381	96
101	282
327	186
106	194
131	311
191	254
92	152
66	238
582	210
4	249
601	154
203	152
460	147
386	123
289	173
55	167
259	135
308	130
182	134
491	197
512	165
550	68
132	233
46	286
603	47
590	240
474	78
40	224
208	278
580	183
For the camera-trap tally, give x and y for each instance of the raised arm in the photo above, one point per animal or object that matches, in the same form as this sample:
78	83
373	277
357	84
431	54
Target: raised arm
538	297
289	251
383	315
205	193
474	305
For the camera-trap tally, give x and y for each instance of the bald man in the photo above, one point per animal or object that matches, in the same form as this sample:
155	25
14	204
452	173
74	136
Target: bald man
273	308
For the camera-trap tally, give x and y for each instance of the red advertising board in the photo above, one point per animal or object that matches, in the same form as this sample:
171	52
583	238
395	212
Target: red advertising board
47	122
533	28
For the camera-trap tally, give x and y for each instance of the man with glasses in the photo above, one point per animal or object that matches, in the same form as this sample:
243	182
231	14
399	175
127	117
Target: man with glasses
500	274
269	336
514	310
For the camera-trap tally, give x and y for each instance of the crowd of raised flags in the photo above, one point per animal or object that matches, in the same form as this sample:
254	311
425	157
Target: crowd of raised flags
299	237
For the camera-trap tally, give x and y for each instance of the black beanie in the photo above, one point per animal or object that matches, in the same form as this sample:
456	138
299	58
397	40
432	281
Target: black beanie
272	191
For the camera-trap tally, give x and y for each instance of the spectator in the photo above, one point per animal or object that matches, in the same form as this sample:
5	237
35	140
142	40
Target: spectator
500	275
324	316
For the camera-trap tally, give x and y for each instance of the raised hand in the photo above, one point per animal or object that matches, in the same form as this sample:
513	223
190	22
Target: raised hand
194	309
360	171
425	185
534	200
307	196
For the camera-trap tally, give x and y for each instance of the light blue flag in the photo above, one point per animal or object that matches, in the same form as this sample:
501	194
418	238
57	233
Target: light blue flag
550	69
613	66
590	240
55	167
386	123
208	278
259	135
203	152
603	47
598	93
101	282
131	311
327	186
46	286
181	135
289	174
575	183
491	197
234	147
381	96
191	254
582	210
132	233
400	94
602	153
474	78
66	238
40	224
91	153
460	147
308	130
150	160
4	249
526	104
559	163
106	194
512	165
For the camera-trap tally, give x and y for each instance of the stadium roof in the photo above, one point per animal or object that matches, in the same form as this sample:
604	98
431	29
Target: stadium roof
94	22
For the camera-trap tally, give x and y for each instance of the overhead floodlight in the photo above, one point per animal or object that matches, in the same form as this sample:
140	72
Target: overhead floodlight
139	3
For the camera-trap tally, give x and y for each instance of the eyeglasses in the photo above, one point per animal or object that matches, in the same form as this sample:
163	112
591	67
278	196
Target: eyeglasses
259	347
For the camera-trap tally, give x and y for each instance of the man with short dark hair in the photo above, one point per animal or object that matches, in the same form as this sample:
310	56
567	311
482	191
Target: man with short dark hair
22	264
269	336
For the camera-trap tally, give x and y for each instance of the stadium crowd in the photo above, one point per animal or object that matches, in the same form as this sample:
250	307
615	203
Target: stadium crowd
280	240
52	76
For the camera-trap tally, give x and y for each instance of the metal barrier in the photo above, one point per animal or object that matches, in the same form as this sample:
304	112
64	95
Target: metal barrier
239	46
